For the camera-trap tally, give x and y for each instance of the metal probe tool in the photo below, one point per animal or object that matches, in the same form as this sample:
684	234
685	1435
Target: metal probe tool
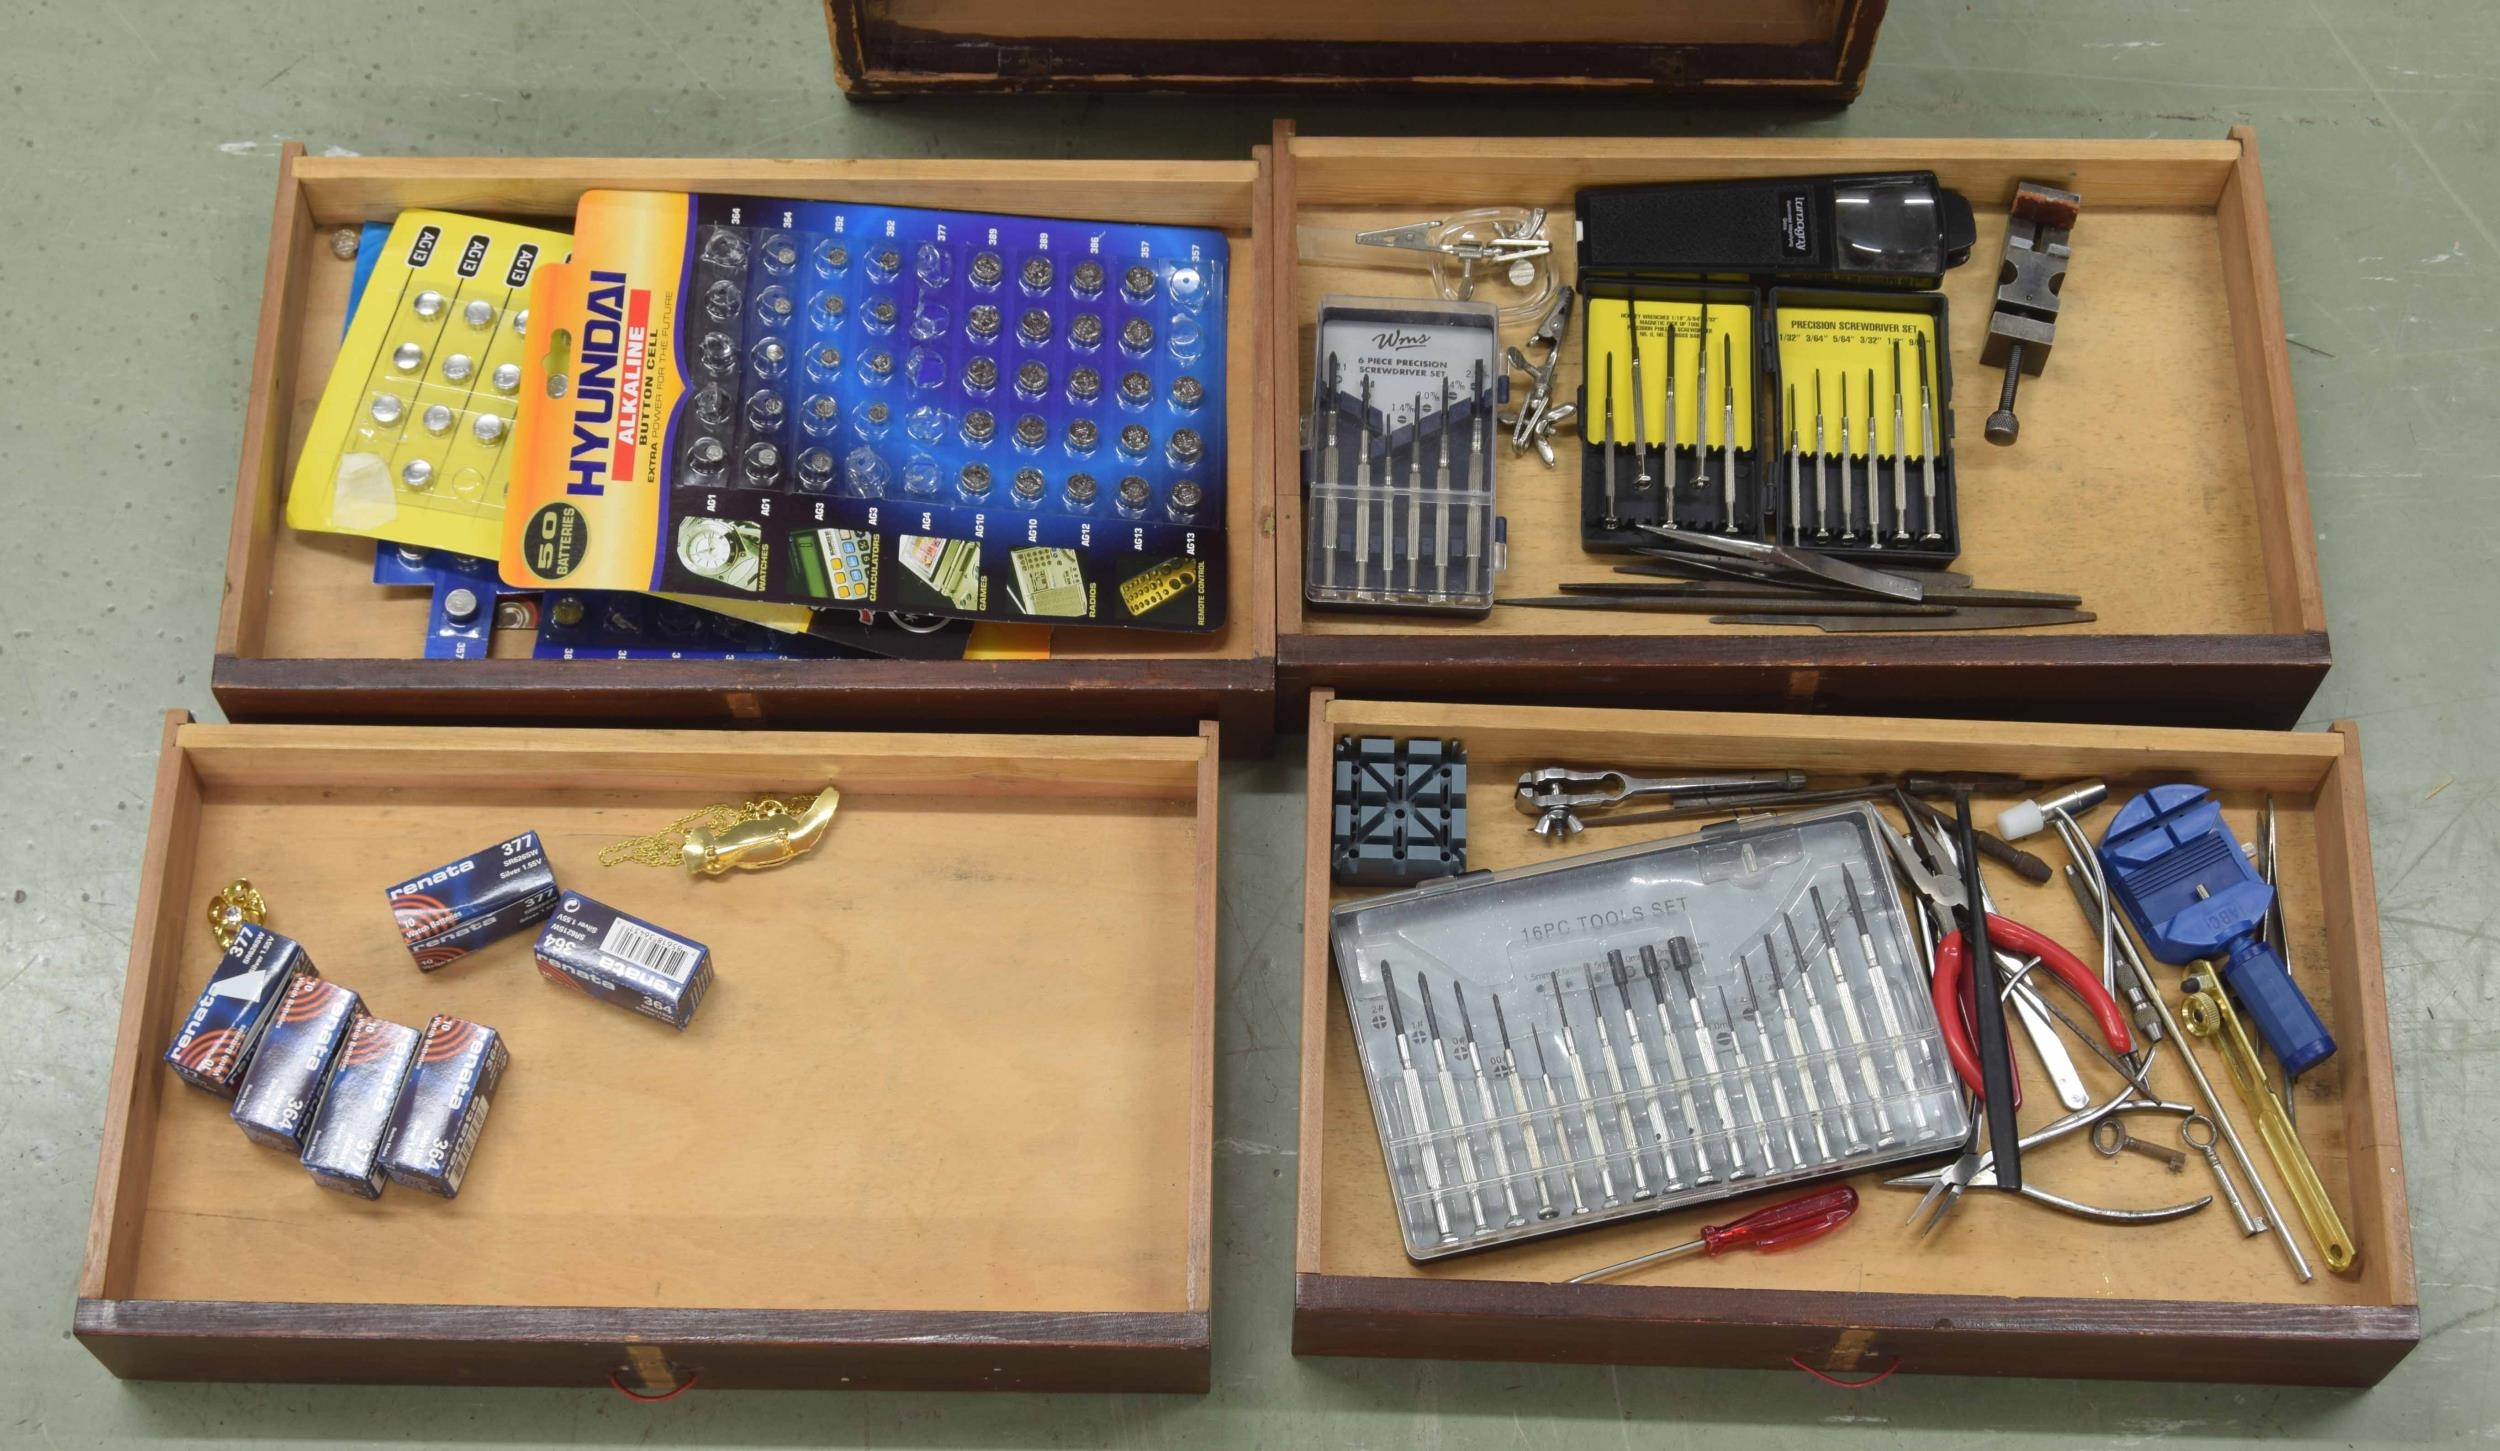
1527	1122
1675	1065
1484	1101
1423	1118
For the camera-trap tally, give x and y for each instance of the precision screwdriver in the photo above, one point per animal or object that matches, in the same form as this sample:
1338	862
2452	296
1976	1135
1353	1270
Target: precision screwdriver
1611	519
1675	1065
1449	1103
1640	1064
1900	458
1562	1130
1850	1019
1570	1046
1744	1082
1484	1100
1363	503
1701	404
1415	1110
1784	1225
1415	499
1770	1062
1475	470
1927	443
1848	498
1680	954
1622	1095
1675	434
1441	499
1727	427
1640	406
1874	462
1330	461
1796	526
1822	499
1822	1035
1884	1005
1527	1123
1797	1051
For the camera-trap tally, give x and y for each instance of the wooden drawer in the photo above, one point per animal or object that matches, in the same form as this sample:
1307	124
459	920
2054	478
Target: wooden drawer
945	1119
2004	1288
304	633
2159	473
1772	50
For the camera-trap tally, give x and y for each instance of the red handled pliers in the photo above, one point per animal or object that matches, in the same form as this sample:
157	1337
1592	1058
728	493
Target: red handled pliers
1952	989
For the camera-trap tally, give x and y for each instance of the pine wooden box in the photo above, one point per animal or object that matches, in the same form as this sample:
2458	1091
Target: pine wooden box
2159	473
305	634
944	1120
2004	1288
1770	50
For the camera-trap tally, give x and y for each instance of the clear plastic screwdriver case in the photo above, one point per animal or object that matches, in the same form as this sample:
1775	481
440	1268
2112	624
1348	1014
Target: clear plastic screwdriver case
1644	1029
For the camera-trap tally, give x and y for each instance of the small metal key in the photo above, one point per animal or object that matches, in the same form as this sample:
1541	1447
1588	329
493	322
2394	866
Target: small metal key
2112	1139
2190	1129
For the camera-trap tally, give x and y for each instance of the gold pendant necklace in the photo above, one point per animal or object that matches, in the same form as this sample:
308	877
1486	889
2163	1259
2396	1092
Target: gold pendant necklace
763	832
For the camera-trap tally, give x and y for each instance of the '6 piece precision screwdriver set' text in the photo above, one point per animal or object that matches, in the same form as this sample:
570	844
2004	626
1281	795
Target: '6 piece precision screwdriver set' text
1644	1029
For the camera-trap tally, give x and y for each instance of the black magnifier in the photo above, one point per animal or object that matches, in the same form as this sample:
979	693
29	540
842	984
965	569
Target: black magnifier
1895	229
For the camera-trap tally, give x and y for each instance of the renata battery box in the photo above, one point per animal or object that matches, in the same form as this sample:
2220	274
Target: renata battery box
487	895
344	1149
603	952
442	1109
284	1082
215	1044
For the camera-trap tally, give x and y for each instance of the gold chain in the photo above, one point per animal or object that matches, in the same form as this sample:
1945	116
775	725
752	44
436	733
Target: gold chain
665	848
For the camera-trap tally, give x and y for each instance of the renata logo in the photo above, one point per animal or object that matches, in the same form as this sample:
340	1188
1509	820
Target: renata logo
607	388
434	879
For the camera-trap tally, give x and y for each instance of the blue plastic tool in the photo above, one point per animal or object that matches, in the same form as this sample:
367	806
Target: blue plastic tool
2192	894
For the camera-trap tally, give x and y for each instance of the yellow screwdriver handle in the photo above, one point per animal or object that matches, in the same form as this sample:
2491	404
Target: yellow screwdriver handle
2207	1013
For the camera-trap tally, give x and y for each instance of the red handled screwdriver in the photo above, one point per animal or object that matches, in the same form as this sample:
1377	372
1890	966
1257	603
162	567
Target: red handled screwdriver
1785	1225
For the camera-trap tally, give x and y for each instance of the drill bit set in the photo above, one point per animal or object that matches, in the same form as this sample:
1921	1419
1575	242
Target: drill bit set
1398	456
1668	414
1643	1029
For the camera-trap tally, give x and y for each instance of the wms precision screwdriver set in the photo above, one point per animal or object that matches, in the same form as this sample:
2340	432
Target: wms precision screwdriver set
1643	1029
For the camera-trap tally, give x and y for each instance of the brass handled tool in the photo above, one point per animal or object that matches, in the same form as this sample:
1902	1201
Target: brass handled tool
1519	1105
2206	1012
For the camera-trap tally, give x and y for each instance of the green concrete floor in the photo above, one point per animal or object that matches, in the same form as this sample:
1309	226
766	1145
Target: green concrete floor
130	265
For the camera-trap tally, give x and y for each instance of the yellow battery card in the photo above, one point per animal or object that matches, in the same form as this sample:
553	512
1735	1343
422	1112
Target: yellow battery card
413	437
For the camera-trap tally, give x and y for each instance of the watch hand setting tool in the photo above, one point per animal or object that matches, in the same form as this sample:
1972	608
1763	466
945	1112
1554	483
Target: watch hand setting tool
1570	1046
1363	493
1927	444
1885	1007
1770	1062
1415	1110
1680	956
1640	406
1639	1051
1797	1052
1822	1036
1610	518
1527	1121
1727	429
1675	1065
1484	1102
1822	499
1562	1129
1621	1094
1900	455
1855	1025
1330	463
1449	1104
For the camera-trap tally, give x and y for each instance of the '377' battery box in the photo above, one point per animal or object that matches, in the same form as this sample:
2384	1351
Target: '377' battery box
882	408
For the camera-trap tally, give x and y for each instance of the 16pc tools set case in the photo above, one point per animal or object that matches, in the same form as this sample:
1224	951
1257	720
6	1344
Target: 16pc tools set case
852	444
